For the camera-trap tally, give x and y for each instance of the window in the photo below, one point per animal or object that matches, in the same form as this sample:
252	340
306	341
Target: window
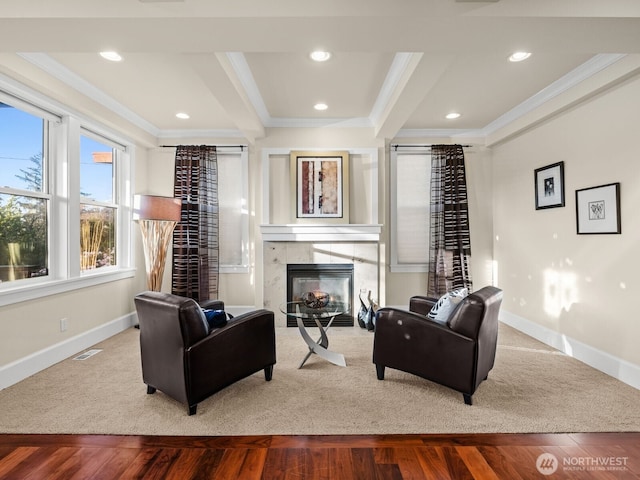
410	204
64	199
234	218
98	209
24	199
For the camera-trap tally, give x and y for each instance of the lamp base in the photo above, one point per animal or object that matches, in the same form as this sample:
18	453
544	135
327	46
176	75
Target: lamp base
156	236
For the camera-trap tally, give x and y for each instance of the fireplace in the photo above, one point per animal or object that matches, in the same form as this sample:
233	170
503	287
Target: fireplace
334	279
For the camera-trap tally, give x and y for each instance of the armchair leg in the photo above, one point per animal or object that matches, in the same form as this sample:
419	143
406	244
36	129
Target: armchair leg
268	373
151	390
380	371
192	409
467	399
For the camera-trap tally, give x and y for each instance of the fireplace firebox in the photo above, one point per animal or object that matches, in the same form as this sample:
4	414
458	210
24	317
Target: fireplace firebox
334	279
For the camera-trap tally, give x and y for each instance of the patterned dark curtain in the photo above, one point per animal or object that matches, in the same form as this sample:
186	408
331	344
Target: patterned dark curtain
195	239
450	248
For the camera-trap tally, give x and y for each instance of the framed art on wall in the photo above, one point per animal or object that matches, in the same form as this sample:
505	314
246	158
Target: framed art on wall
549	185
598	209
320	181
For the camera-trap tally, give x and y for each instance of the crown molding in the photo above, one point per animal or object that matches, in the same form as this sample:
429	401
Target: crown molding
243	71
62	73
358	122
591	67
437	132
185	133
238	62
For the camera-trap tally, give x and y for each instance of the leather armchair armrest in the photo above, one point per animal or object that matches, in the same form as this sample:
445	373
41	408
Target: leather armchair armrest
212	304
402	325
252	332
392	320
246	344
421	304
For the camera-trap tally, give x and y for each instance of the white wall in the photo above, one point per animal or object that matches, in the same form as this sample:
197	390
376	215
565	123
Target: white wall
579	286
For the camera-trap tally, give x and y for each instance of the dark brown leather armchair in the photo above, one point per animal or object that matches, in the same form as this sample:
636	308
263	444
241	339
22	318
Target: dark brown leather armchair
185	359
458	355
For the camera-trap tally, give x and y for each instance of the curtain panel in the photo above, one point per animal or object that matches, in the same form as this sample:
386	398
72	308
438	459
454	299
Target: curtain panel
195	238
450	247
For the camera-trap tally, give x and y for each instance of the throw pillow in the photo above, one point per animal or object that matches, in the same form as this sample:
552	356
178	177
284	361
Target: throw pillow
215	318
441	311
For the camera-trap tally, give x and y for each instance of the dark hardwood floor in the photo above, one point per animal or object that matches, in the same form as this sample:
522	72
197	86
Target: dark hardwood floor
361	457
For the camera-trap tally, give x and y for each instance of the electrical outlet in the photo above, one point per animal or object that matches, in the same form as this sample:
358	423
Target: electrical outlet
63	324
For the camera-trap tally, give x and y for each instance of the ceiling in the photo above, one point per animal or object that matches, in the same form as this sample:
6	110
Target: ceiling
240	67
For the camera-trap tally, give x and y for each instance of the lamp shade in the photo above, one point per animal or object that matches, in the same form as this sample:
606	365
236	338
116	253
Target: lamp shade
153	207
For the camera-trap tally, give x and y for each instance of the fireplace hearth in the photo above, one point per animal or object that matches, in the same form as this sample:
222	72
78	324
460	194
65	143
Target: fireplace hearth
334	279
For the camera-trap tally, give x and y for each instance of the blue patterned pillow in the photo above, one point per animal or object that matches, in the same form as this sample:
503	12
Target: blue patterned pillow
441	311
215	318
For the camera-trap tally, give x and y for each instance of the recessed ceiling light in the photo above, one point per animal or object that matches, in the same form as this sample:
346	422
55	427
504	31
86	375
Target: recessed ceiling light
111	56
183	116
320	106
519	56
452	115
320	56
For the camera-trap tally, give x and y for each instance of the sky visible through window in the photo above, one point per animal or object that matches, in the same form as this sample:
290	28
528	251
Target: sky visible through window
21	139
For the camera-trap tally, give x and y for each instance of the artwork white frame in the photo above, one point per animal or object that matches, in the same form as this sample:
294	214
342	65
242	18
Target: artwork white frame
598	209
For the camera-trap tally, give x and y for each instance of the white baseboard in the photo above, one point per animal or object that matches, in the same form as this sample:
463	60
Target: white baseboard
17	371
618	368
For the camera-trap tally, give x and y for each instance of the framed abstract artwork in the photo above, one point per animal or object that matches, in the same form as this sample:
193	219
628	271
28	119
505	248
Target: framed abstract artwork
598	209
549	185
320	181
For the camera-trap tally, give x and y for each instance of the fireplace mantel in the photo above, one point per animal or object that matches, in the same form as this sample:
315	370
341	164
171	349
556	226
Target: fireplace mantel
298	232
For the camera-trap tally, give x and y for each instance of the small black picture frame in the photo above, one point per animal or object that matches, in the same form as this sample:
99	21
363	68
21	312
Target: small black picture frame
598	209
549	185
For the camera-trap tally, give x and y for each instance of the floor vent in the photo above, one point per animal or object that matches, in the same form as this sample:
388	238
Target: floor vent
87	354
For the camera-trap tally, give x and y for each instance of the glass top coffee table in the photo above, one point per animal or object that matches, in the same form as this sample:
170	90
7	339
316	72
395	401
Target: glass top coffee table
300	311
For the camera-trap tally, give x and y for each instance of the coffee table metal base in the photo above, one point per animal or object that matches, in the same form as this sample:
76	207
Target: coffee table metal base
319	347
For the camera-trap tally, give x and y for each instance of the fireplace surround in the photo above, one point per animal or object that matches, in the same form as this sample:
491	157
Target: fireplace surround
363	255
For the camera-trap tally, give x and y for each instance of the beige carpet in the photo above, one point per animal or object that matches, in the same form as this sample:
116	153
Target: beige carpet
532	388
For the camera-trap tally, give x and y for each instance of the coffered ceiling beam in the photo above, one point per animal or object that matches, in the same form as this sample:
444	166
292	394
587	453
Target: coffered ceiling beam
407	92
218	74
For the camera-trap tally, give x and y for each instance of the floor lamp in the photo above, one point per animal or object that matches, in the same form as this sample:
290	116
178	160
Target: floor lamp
157	217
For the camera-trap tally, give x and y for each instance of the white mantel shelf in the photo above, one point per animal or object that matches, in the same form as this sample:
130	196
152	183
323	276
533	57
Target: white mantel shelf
300	232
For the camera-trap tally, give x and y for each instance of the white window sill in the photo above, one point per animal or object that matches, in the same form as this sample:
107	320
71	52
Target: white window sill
31	291
234	269
409	268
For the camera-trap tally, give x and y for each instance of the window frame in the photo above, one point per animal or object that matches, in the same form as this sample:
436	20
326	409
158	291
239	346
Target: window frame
243	160
395	265
118	151
62	167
